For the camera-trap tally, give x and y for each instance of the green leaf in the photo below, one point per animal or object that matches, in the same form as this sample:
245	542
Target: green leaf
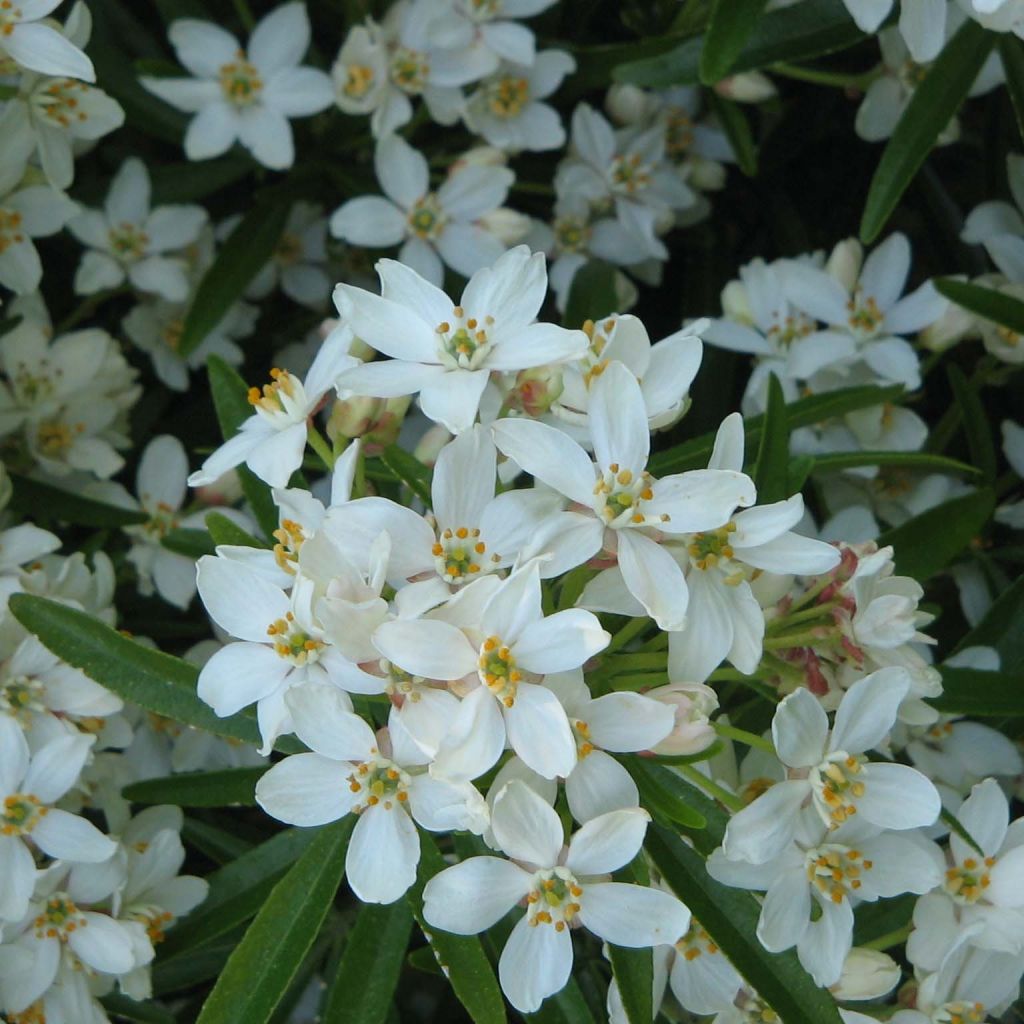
969	691
979	434
135	1010
199	789
932	106
263	964
190	543
239	260
730	918
1011	53
1002	628
158	682
694	454
230	399
461	956
592	294
565	1007
772	465
226	531
737	129
929	542
828	462
368	974
987	303
634	971
883	917
731	25
237	891
216	843
665	793
805	30
31	496
417	477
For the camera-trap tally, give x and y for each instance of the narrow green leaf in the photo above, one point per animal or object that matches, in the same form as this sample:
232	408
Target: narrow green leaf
883	917
829	462
969	691
462	957
423	959
190	543
190	970
226	531
976	426
565	1007
987	303
932	106
230	400
1011	53
694	454
731	25
32	495
665	793
158	682
237	891
592	294
143	1012
410	471
772	465
634	972
730	918
263	964
216	843
929	542
189	182
737	129
368	974
805	30
239	260
1002	628
199	789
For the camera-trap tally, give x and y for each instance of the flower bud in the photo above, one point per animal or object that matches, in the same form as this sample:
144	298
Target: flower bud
506	225
479	156
845	262
955	324
225	490
430	444
736	303
747	87
628	104
692	704
376	420
536	390
867	974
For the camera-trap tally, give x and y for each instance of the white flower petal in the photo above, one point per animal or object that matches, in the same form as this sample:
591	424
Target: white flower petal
633	916
898	797
535	963
799	730
306	790
607	843
471	896
426	647
654	578
539	732
786	911
67	837
525	827
382	855
764	828
868	710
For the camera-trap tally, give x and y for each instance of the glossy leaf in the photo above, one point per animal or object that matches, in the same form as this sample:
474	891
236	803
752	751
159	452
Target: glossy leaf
932	106
737	130
968	691
364	986
730	918
731	25
984	302
30	496
1011	53
592	294
410	471
829	462
665	793
226	531
190	543
772	465
634	973
260	969
976	425
199	789
1002	628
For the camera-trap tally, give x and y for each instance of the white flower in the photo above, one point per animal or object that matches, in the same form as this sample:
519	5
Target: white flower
692	705
622	507
27	211
29	786
245	94
492	37
30	42
352	771
997	15
922	23
446	352
831	771
999	225
272	441
509	646
506	107
298	263
616	722
563	889
701	976
431	226
129	239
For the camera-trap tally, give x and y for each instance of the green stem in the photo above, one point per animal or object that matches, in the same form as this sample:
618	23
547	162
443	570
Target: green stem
833	79
640	681
889	940
319	444
630	631
811	594
808	614
654	661
712	788
808	638
245	14
742	736
86	309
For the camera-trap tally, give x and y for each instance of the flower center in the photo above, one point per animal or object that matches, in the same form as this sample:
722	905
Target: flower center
34	1014
59	918
708	549
240	82
789	329
696	943
864	315
161	522
55	438
836	786
401	683
59	102
755	788
967	882
20	814
497	670
35	384
484	9
171	334
463	342
460	554
1008	336
21	697
619	495
359	80
289	250
154	919
835	871
506	97
911	75
9	16
581	733
629	174
409	69
10	225
554	899
379	781
282	401
289	536
293	643
571	234
426	218
960	1013
128	242
678	133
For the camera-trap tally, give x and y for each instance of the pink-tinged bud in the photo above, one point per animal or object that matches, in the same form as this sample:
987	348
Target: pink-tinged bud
747	87
430	444
225	490
867	974
479	156
536	390
376	420
845	262
692	703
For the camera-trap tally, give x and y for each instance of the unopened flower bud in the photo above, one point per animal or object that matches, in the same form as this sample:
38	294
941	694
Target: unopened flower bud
955	324
628	104
692	703
480	156
225	490
736	303
867	974
507	225
430	444
376	420
845	262
536	389
747	87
